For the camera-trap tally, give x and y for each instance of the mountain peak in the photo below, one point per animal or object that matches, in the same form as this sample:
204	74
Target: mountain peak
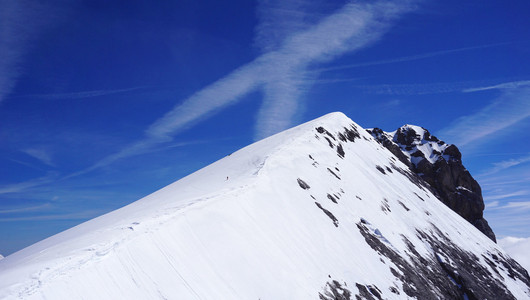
316	211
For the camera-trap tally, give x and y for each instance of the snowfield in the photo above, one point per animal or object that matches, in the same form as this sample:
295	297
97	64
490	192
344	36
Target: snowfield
313	211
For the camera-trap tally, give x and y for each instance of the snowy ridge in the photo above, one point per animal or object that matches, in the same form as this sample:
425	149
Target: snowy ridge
316	210
422	144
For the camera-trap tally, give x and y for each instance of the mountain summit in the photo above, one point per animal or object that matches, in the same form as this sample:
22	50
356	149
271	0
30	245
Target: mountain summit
440	165
320	211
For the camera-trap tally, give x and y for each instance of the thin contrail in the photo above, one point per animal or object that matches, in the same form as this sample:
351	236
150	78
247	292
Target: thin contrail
409	58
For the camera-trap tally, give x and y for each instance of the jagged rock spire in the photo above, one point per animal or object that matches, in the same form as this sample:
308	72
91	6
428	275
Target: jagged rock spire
440	165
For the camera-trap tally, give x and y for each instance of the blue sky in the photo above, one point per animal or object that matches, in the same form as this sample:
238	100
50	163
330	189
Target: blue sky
104	102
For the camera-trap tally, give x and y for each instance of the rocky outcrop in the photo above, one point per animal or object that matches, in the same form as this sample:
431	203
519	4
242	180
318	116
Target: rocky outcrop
440	165
386	140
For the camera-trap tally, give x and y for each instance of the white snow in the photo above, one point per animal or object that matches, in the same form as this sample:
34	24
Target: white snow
258	235
518	249
463	188
425	146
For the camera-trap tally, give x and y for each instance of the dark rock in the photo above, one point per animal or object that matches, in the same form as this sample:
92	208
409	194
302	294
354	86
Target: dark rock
394	290
482	225
382	138
380	169
403	205
332	198
416	278
303	184
413	177
447	177
406	136
322	130
375	291
334	174
340	151
329	214
335	291
453	152
330	143
456	188
475	279
351	133
385	207
429	276
418	153
364	293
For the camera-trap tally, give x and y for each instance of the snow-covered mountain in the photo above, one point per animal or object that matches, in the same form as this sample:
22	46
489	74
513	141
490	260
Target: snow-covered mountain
320	211
440	165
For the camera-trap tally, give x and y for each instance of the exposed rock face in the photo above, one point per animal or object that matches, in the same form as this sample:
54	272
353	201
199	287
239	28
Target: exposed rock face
441	166
387	141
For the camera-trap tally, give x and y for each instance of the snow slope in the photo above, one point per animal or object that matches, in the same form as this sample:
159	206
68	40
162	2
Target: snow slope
316	210
518	248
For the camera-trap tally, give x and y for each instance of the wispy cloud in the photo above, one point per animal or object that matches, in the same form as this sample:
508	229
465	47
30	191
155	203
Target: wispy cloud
492	204
507	110
505	85
505	164
280	103
524	205
21	186
280	72
415	88
500	154
21	22
41	154
506	196
278	20
25	164
440	87
81	94
409	58
25	209
84	215
335	80
511	219
360	25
